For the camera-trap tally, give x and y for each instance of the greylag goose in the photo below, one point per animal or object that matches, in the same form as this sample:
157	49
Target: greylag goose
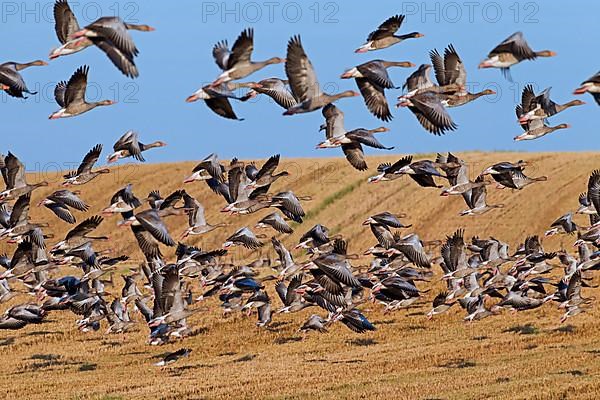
243	199
84	173
196	219
303	81
535	128
476	308
287	266
372	79
541	107
27	313
476	199
11	80
70	96
315	323
173	305
457	174
123	201
129	145
13	172
333	270
563	224
277	89
207	169
516	179
79	236
291	299
388	219
461	188
109	34
315	237
505	166
430	112
412	248
275	221
356	321
237	63
266	175
289	204
60	201
592	86
243	237
586	207
450	71
350	141
421	172
336	134
385	36
511	175
157	202
217	98
65	24
382	233
574	303
511	51
593	190
18	226
418	81
519	301
151	222
389	172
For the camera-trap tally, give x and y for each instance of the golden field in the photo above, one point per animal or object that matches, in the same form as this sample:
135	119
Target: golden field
518	356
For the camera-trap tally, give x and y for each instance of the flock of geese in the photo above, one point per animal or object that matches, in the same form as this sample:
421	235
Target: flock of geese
482	276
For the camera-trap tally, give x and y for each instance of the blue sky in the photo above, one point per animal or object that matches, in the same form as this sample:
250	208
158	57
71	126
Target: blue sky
176	59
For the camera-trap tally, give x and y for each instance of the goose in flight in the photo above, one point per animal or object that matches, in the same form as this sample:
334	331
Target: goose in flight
15	178
60	201
535	128
385	35
129	145
275	221
450	71
389	172
236	63
11	80
303	81
350	141
511	51
109	34
266	174
539	107
208	168
197	224
511	175
430	112
70	96
372	79
84	173
591	86
475	198
244	237
217	98
277	89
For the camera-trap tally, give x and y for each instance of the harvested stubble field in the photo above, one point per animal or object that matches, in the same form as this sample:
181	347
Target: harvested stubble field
520	356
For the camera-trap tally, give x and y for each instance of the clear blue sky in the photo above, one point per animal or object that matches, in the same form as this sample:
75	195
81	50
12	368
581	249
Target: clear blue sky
176	59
